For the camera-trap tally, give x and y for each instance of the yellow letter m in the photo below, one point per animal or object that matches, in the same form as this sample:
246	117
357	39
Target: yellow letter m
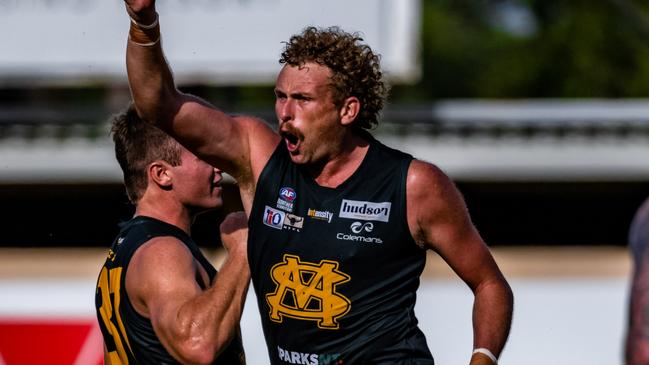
307	291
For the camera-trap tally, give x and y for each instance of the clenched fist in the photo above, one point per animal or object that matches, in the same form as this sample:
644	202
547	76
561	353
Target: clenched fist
234	233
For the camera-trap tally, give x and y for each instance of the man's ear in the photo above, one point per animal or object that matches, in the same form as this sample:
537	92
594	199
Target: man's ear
160	173
349	110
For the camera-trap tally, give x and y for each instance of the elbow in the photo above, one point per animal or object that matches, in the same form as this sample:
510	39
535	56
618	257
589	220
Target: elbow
507	291
159	110
197	354
496	290
203	351
507	294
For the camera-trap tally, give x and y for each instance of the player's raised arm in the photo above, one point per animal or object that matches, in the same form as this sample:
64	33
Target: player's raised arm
439	220
240	146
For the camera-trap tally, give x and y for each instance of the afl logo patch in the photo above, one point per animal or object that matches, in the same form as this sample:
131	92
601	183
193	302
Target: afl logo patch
286	199
287	194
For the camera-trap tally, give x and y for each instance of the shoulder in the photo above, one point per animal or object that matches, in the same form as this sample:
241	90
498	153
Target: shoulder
261	140
256	128
427	179
161	250
435	207
155	270
158	260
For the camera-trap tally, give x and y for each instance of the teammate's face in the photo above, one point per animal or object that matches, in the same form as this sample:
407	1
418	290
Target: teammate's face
309	121
196	183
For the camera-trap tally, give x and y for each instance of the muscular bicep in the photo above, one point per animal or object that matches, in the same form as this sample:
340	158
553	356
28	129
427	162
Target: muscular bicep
439	220
161	278
239	145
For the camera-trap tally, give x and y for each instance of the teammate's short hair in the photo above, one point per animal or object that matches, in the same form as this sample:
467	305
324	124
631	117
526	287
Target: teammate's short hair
137	144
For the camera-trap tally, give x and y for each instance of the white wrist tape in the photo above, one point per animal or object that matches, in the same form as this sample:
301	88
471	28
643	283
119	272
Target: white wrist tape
148	44
485	351
143	34
144	26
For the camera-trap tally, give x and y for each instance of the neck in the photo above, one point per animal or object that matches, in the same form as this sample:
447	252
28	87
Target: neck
342	162
169	213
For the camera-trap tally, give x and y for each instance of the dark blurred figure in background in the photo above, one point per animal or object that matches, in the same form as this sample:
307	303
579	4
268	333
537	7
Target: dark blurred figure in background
637	341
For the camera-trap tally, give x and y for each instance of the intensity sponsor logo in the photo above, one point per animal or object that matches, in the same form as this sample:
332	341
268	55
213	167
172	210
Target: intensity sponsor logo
366	211
305	358
322	215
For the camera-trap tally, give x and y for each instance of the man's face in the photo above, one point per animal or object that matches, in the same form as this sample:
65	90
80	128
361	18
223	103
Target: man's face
196	183
309	121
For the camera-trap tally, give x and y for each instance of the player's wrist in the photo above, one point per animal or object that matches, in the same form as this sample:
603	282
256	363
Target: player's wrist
238	252
145	34
484	356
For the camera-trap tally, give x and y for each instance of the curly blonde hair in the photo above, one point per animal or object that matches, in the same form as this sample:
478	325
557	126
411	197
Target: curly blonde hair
355	67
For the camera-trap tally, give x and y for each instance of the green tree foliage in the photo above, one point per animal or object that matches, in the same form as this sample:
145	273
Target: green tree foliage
568	48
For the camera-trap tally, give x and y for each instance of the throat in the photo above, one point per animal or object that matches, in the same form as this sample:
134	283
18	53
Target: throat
332	181
336	171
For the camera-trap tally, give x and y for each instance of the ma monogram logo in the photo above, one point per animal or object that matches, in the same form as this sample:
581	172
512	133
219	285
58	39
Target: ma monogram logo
307	291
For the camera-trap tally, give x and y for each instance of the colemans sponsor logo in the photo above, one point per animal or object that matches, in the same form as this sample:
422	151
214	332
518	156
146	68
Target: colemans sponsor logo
360	231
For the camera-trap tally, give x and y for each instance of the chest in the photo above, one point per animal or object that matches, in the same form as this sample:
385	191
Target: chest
362	219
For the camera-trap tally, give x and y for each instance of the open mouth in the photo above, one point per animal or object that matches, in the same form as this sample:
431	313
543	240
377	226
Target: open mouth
217	179
292	141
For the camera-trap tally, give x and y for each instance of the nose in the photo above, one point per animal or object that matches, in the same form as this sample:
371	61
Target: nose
285	110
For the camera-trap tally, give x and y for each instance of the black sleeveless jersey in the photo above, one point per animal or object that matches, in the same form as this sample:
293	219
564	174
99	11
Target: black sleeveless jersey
128	336
335	270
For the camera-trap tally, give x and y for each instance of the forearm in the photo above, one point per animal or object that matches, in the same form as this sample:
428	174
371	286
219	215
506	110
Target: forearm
150	78
207	324
492	314
227	297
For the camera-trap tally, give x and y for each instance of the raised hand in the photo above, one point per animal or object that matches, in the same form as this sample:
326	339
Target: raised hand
142	11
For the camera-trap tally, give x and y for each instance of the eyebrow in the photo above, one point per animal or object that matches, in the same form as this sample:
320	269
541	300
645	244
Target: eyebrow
295	95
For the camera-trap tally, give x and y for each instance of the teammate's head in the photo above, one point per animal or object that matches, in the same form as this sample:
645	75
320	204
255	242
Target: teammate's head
138	144
355	67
